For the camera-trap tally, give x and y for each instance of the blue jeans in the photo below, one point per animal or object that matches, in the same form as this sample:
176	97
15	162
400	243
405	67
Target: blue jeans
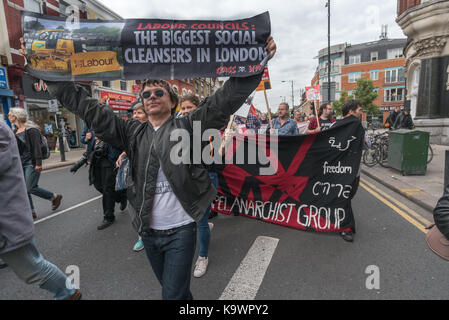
31	180
203	224
171	255
30	266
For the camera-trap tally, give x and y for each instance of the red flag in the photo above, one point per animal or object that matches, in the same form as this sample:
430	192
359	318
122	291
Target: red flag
253	111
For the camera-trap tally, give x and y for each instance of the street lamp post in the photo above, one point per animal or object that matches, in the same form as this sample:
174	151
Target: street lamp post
293	96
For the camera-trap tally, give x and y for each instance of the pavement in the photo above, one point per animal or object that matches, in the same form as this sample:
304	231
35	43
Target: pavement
423	190
54	161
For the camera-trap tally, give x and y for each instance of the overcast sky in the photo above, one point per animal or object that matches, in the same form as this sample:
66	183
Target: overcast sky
299	28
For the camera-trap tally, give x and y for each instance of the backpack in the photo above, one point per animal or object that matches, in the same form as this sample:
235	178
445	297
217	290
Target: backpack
45	150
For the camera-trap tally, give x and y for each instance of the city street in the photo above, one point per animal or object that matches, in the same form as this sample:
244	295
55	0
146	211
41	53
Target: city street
303	265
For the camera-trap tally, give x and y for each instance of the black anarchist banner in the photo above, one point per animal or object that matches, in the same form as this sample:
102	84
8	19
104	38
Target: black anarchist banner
313	181
136	49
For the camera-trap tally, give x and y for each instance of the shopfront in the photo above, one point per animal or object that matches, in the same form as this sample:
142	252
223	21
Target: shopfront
120	103
37	105
6	96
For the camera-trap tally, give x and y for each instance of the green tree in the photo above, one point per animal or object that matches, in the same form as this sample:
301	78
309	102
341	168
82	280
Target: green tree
338	104
366	94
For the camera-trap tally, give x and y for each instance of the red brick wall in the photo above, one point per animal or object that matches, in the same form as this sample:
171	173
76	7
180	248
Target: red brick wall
13	18
315	79
365	69
53	2
181	85
403	5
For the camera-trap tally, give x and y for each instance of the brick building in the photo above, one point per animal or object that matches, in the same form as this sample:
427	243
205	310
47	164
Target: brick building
381	61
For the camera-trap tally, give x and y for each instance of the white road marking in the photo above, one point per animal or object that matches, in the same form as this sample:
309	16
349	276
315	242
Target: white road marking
249	276
66	210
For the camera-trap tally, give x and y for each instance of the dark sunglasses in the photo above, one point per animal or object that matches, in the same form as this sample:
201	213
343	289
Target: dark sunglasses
159	93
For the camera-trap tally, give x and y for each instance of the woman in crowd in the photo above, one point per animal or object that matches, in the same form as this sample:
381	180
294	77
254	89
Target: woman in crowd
188	103
28	137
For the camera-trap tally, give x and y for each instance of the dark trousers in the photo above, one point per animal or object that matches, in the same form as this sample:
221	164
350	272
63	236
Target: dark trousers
171	255
355	186
104	182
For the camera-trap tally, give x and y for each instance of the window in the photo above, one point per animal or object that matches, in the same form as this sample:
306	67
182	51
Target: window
395	53
62	8
32	5
394	75
374	75
123	86
394	95
354	59
374	56
352	77
106	84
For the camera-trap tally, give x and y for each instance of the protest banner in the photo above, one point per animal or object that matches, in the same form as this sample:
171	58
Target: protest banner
265	84
144	48
302	127
253	111
312	186
314	94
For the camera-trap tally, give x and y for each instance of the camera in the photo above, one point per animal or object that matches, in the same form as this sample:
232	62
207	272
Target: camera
100	150
81	162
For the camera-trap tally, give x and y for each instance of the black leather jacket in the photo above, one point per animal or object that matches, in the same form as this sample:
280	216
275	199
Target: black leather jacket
190	183
441	211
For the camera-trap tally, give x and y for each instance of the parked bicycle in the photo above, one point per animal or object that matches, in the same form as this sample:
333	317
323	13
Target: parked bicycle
378	153
373	155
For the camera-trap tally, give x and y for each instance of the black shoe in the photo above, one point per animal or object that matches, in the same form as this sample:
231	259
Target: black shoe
3	264
347	236
105	224
123	204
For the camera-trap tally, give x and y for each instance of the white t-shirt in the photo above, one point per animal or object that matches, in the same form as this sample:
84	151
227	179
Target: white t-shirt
168	212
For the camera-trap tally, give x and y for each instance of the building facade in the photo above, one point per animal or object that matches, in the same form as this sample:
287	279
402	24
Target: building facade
337	58
382	62
425	23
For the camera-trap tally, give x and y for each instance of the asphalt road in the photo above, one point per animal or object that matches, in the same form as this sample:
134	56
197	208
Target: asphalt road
303	265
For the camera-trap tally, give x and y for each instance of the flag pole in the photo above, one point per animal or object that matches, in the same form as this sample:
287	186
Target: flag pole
223	141
316	113
268	108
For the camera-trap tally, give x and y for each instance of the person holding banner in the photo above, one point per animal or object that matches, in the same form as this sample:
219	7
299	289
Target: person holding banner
283	124
167	198
353	108
325	115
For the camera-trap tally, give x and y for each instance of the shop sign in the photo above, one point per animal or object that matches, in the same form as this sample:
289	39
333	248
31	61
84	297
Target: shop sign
118	101
3	82
34	88
53	105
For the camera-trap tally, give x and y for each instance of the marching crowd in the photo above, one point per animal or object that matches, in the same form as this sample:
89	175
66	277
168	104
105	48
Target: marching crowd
169	204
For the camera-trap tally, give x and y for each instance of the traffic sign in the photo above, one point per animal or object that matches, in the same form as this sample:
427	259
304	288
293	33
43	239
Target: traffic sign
53	105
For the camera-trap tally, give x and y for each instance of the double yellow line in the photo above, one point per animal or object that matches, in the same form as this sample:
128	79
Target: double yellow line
408	214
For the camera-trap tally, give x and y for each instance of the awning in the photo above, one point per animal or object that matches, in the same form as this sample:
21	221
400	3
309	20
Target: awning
7	93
